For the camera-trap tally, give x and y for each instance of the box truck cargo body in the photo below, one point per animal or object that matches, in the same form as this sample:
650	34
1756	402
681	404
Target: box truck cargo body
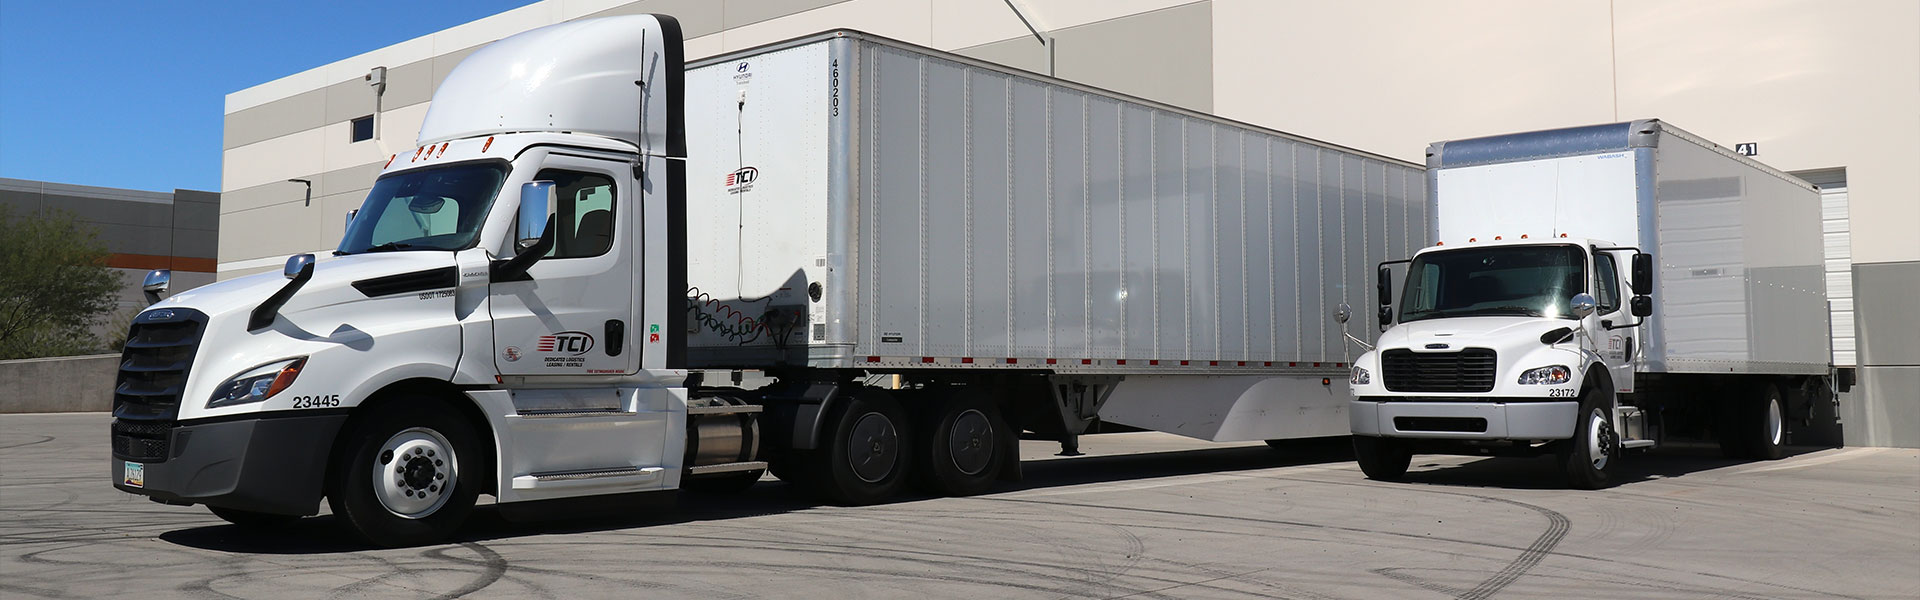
1597	288
919	256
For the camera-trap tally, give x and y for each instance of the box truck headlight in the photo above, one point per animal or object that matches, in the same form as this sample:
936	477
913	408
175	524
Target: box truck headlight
1554	375
256	384
1359	376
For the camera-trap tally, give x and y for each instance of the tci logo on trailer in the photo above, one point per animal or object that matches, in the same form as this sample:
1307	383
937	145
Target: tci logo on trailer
573	343
742	180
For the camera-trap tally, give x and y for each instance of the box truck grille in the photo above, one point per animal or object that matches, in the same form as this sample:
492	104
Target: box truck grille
1469	370
141	441
153	366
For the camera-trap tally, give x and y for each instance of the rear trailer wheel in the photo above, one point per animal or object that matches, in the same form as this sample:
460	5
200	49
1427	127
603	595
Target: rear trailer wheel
962	446
1589	458
398	478
251	519
1381	458
866	458
1765	423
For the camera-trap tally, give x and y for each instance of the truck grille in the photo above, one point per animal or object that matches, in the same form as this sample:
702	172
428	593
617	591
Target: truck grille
153	375
1469	370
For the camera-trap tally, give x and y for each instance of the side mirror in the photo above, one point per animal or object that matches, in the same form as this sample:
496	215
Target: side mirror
298	265
157	282
1386	317
1642	306
1383	285
1642	274
1342	313
536	204
1583	304
350	215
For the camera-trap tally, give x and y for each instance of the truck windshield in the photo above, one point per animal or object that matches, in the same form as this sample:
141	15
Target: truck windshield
1537	281
429	209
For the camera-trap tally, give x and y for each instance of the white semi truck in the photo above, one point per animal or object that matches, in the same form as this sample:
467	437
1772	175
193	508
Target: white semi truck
555	294
1592	290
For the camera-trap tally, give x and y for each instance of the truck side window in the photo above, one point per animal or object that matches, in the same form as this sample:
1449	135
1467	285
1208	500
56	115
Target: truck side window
583	213
1606	291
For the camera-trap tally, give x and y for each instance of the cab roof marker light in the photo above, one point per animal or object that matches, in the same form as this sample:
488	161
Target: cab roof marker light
489	144
1523	236
390	161
1496	238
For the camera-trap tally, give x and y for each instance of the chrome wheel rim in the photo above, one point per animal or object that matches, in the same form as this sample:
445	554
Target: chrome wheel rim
1775	427
873	446
1600	439
970	442
414	473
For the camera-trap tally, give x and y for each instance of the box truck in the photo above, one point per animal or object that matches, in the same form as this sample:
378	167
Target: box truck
1591	290
917	255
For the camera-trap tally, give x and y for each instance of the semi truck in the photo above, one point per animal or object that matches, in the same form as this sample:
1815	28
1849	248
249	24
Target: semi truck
854	262
1590	291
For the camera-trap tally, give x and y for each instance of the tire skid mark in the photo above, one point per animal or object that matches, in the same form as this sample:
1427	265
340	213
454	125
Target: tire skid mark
26	589
495	567
1557	530
43	439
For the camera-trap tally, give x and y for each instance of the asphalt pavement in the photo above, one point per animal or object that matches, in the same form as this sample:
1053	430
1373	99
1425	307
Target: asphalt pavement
1142	515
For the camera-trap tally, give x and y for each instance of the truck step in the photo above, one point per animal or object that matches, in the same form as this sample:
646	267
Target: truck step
694	411
586	477
1631	444
727	467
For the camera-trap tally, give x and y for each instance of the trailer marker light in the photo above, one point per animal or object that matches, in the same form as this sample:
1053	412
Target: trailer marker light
926	359
1120	362
1213	363
1326	381
1183	363
1293	364
1269	363
489	144
1086	361
1439	243
1316	365
1563	235
966	360
1013	361
1153	363
1051	361
873	359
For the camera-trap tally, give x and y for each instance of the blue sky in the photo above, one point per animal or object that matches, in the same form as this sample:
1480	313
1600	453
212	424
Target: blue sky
130	94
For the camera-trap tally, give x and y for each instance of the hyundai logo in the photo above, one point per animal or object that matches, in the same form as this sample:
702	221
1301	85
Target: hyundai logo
742	68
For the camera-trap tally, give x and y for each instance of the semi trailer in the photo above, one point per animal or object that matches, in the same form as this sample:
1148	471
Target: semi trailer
1591	291
852	261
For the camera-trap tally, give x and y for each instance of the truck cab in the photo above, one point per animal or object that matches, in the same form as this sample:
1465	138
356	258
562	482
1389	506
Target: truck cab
1503	346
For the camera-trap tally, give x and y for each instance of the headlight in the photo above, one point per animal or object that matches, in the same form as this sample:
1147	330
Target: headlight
256	384
1359	376
1554	375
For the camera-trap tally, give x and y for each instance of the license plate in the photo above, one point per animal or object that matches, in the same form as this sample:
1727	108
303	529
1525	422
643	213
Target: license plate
135	475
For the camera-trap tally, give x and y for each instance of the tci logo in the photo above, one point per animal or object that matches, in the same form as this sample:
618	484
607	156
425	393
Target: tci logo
572	343
742	180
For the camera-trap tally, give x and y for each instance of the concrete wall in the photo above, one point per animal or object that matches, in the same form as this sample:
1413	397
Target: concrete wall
65	384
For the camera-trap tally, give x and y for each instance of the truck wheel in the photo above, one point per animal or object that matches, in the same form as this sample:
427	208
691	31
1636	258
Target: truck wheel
1590	456
251	519
1764	423
398	476
1382	459
962	446
866	459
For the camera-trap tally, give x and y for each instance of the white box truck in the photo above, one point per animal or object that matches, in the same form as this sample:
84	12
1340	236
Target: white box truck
1591	290
553	295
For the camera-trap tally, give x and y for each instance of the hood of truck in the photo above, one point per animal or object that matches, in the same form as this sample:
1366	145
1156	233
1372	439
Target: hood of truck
354	340
1497	333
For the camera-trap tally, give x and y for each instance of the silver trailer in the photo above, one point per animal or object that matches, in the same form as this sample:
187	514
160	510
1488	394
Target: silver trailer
861	203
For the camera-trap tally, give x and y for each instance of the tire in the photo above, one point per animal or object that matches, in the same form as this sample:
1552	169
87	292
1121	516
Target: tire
962	446
402	446
1382	459
1764	423
866	459
250	519
1591	457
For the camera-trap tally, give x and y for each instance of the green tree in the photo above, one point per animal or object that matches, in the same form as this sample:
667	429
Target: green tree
54	284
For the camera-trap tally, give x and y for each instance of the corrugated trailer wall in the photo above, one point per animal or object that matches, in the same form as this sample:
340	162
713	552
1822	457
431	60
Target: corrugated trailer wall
1001	216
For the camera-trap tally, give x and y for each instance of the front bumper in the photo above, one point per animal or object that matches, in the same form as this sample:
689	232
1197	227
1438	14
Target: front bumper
274	464
1519	420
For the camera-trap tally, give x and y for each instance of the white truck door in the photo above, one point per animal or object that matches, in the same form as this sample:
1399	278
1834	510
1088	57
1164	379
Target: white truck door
572	317
1616	346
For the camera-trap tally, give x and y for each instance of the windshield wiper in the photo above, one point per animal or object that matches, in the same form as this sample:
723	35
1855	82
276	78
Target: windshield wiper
1525	310
388	247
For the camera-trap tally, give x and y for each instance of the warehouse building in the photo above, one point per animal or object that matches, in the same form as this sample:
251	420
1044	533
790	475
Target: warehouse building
141	231
1824	90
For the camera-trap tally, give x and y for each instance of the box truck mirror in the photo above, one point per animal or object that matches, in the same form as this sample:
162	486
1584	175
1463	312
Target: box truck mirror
1583	305
1642	274
1386	317
1642	306
156	283
1383	286
1342	313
